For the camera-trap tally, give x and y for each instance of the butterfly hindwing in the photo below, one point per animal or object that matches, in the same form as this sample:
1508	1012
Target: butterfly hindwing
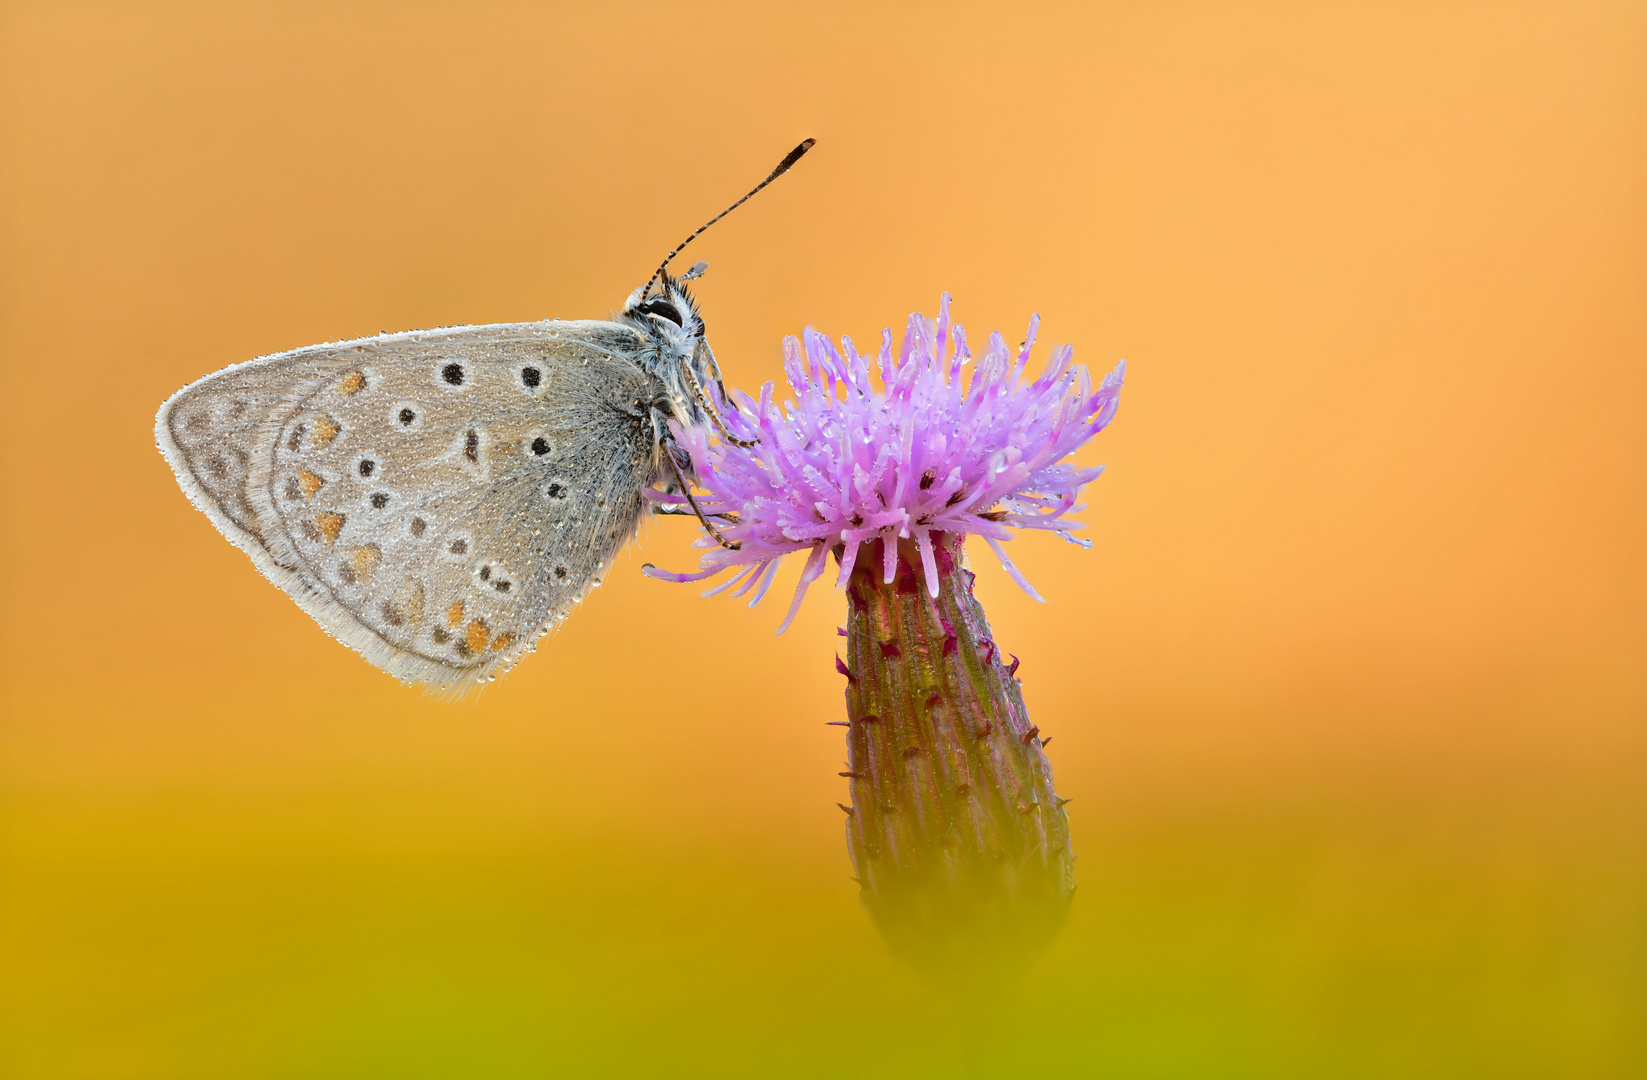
435	500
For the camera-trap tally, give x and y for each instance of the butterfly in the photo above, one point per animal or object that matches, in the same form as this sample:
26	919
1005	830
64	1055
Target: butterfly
438	500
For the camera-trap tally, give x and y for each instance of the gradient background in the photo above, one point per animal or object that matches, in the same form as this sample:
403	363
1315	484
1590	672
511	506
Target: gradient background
1350	692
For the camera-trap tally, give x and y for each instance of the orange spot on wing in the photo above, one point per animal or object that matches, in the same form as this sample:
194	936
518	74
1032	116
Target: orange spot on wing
365	559
454	614
502	641
475	637
311	482
329	524
353	383
324	431
412	601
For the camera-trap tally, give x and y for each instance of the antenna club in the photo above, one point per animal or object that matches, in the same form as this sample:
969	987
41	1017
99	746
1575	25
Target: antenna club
794	156
783	167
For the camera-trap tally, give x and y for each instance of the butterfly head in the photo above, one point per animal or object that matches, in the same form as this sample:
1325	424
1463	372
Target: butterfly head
665	317
665	311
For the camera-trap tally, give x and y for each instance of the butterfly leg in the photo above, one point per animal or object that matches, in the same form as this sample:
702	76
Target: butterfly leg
715	369
675	510
708	405
714	414
686	489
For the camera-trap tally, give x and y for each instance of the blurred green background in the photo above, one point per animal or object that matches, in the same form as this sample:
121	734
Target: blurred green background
1350	692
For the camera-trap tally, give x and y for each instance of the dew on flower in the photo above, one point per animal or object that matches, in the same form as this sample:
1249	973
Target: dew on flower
844	465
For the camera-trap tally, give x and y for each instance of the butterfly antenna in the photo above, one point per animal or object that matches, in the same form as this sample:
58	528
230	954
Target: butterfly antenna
783	167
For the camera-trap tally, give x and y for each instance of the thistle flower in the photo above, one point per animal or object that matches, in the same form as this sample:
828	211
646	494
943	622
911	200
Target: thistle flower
961	844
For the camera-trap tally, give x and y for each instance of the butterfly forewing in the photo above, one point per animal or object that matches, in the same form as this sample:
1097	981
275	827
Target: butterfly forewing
435	500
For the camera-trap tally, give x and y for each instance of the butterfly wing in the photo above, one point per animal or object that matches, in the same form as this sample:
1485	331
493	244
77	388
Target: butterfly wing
436	500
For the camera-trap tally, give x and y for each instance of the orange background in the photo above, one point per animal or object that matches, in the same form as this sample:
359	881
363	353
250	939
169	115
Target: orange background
1350	691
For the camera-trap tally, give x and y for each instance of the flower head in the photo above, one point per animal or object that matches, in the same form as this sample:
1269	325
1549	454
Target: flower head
845	464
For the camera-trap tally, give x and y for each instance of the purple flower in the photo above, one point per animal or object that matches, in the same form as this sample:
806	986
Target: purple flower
844	465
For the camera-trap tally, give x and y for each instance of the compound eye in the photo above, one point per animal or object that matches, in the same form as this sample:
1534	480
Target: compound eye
661	307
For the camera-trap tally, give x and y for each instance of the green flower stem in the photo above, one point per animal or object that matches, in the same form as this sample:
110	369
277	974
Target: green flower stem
960	842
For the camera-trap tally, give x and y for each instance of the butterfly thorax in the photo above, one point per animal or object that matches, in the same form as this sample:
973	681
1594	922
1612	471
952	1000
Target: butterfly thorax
673	348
